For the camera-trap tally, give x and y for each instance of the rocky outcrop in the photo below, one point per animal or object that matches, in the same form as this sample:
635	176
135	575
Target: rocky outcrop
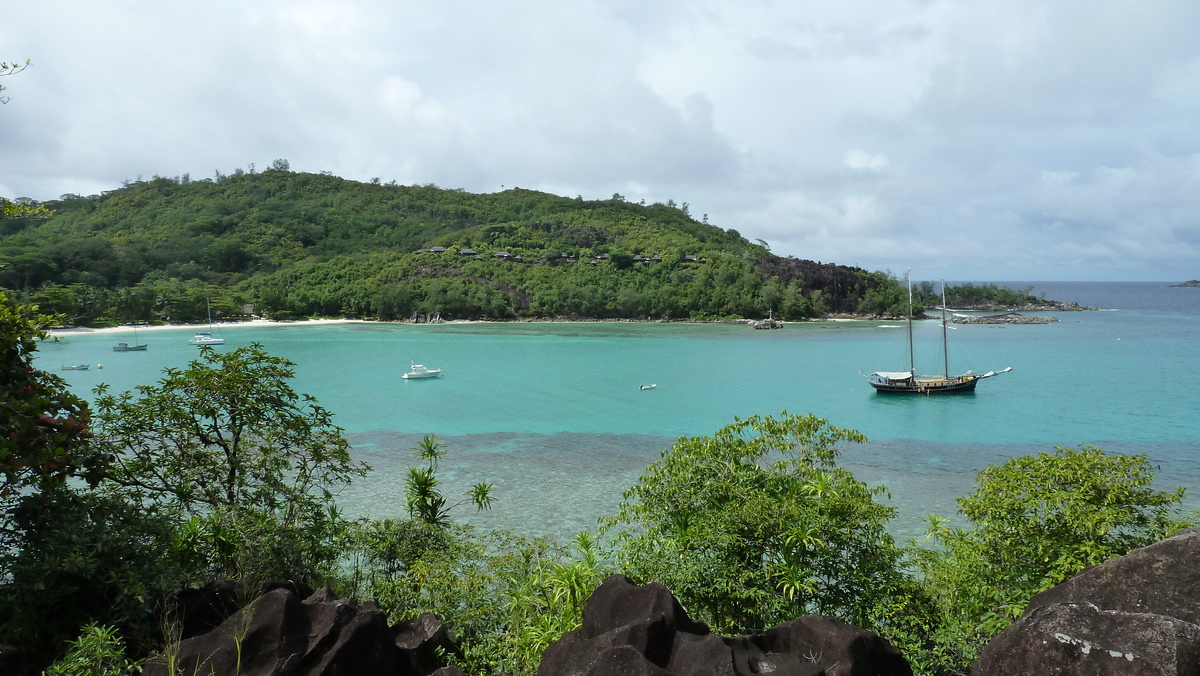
1136	614
1040	306
768	323
278	634
1006	318
1191	283
631	629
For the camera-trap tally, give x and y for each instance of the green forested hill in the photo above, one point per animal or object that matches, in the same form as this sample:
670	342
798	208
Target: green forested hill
297	244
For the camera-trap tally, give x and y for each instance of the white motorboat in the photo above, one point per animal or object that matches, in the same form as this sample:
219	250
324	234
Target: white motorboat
419	371
76	367
206	338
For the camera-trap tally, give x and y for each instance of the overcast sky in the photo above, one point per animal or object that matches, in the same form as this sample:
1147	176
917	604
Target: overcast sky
987	140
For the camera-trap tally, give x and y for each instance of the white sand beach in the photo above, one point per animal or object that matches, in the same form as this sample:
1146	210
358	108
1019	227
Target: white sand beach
82	330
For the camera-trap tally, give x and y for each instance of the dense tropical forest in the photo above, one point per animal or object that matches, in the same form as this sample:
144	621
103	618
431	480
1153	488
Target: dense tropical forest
289	245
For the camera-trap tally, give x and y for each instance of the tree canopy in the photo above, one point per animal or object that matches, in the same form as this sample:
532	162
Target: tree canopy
757	524
228	443
1035	521
299	244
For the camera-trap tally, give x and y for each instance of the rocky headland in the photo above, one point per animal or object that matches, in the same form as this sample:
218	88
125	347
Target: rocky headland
1006	318
1191	283
1041	306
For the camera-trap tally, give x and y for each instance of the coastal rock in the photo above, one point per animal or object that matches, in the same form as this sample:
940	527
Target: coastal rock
1041	306
1136	614
1189	284
631	629
1007	318
277	634
1162	579
1079	638
196	611
769	323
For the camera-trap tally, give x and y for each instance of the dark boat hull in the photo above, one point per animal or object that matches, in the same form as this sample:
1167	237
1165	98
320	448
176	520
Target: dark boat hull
961	385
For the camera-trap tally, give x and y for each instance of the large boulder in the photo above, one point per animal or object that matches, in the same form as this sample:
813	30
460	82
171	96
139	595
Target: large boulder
279	635
1136	614
1079	638
1162	578
197	611
642	630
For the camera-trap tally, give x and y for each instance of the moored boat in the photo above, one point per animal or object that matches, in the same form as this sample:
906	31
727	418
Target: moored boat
135	347
126	347
909	382
76	367
206	337
419	371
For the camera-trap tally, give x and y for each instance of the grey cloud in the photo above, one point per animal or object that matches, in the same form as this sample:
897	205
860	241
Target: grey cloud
1015	139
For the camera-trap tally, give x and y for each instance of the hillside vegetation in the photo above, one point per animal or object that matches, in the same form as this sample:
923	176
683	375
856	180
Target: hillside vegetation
298	244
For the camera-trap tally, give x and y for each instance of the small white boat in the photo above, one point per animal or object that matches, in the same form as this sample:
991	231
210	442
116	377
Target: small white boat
76	367
206	337
419	371
648	387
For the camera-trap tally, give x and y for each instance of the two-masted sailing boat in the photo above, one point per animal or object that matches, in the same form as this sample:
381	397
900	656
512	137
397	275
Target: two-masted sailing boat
908	382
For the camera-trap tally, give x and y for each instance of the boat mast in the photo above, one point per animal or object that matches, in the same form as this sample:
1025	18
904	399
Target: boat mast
945	349
912	367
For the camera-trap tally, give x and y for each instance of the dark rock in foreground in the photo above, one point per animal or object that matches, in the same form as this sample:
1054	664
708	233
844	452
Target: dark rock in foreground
1007	318
629	629
279	635
1136	614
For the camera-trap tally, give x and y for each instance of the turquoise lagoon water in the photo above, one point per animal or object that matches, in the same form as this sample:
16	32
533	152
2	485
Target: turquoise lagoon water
553	414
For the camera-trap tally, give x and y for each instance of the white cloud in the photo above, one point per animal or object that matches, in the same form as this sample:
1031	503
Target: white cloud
860	160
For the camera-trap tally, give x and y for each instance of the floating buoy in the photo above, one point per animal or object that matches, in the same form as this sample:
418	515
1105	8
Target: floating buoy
100	366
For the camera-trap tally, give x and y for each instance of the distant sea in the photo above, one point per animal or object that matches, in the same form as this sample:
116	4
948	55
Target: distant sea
552	412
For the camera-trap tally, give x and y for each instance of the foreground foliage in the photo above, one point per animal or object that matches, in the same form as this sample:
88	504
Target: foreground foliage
1035	521
757	525
250	466
42	425
505	597
99	651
